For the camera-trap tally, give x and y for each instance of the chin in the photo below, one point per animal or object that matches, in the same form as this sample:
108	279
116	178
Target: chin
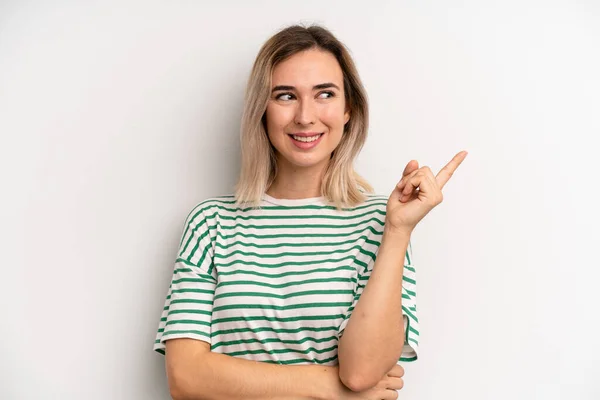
300	162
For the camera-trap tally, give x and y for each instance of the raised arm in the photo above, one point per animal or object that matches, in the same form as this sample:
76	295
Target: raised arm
377	316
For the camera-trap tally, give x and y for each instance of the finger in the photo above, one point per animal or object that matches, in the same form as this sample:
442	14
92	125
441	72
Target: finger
397	371
404	179
446	173
410	167
395	383
409	188
413	183
409	192
410	197
421	184
431	179
412	192
390	395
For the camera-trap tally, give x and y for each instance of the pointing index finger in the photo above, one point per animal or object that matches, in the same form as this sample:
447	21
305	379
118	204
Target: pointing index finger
446	173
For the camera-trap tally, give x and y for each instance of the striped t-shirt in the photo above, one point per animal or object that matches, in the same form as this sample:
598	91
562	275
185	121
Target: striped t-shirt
278	284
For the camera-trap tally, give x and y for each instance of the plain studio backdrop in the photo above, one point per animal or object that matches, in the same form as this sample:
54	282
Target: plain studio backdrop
117	119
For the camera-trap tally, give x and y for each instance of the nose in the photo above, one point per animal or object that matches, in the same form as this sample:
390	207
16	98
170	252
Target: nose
305	113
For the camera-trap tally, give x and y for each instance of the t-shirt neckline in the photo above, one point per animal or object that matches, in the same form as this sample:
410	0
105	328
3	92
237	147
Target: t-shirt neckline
295	202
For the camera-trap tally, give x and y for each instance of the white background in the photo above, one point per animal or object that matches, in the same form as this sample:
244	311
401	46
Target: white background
117	118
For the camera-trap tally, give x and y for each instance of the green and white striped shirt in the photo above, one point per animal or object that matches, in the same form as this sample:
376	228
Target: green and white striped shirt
278	284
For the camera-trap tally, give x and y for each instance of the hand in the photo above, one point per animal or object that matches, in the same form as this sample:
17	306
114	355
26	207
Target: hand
385	389
417	193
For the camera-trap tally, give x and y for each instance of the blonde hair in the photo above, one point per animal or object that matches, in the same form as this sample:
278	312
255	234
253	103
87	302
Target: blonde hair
341	185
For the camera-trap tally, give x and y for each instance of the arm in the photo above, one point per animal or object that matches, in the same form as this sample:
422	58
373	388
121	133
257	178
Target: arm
196	373
377	316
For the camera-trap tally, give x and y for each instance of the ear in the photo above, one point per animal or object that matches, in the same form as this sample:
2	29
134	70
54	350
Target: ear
346	116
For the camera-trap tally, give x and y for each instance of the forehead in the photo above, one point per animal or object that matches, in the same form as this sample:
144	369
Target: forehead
308	68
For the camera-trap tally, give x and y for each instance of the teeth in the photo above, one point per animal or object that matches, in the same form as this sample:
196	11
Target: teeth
306	139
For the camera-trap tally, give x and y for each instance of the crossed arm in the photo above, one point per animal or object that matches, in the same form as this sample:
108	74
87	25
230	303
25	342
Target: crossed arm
196	373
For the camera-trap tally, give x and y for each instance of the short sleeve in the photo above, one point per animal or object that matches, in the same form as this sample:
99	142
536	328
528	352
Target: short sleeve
187	311
409	305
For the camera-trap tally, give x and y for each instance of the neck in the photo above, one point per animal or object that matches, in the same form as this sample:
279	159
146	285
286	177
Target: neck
294	182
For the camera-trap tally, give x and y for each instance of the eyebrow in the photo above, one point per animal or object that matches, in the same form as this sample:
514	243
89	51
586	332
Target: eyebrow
316	87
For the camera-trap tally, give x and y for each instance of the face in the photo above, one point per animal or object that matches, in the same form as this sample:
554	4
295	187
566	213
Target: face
306	113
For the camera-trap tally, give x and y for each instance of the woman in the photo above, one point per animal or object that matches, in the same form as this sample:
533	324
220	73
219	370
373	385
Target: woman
275	272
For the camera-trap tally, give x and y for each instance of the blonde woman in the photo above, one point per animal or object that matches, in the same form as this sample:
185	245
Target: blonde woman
269	296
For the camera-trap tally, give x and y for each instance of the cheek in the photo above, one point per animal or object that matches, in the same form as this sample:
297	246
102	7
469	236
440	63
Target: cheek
333	115
278	117
277	120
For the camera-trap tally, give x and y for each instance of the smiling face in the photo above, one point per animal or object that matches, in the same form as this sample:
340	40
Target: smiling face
306	113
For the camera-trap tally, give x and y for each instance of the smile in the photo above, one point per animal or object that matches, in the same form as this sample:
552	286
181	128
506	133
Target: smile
306	138
306	142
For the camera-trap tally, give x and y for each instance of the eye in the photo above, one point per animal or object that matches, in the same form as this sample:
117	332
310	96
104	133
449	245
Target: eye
329	93
279	96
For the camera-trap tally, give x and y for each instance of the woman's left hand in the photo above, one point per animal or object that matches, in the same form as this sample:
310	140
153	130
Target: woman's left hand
417	193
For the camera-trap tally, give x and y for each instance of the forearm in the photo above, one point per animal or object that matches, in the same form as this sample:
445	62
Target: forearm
378	317
219	376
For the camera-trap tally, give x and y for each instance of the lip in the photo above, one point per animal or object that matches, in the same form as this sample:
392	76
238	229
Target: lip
306	145
306	134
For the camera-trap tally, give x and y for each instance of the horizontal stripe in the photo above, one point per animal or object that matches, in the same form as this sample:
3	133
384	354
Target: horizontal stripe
273	307
287	284
286	296
168	333
274	340
280	351
270	329
285	274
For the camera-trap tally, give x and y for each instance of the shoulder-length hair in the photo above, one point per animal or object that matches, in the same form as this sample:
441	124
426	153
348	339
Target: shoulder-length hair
341	185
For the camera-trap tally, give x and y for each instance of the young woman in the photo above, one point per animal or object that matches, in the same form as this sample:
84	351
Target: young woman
269	296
